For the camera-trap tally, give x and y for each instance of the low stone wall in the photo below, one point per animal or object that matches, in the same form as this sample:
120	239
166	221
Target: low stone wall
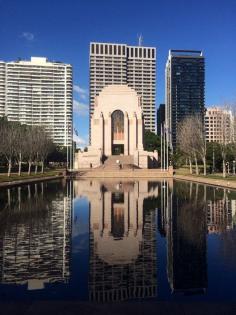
136	173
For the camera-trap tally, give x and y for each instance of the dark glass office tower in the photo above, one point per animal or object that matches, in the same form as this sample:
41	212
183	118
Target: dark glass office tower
185	89
160	118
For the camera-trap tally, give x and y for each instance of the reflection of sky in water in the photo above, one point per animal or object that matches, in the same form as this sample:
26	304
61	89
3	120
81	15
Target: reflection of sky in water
109	235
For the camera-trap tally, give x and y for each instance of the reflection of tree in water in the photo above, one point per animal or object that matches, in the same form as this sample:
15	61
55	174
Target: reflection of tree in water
34	241
187	271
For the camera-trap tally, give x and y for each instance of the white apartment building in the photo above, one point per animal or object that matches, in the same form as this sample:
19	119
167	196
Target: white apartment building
219	125
38	92
122	64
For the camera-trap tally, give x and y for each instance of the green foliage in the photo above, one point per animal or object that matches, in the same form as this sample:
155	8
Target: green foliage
151	141
58	154
214	149
178	159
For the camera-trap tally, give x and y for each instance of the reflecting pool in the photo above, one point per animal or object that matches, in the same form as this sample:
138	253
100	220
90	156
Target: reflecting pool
115	240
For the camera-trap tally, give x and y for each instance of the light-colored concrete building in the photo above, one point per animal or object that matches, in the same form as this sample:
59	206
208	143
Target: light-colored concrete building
116	129
219	125
38	92
122	64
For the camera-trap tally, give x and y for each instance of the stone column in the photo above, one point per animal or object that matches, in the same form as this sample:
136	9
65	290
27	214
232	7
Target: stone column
107	135
133	134
126	134
101	123
140	134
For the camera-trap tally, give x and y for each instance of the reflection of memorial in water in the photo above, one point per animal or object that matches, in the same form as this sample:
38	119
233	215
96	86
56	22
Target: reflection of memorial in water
122	239
186	239
35	234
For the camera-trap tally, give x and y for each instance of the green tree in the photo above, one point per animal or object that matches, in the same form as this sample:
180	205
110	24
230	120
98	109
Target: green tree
151	141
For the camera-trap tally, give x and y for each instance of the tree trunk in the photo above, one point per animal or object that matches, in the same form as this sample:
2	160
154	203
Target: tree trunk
224	169
42	166
36	168
204	165
19	169
9	168
190	166
196	165
29	169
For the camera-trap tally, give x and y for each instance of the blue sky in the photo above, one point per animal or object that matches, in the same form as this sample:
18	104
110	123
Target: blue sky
61	30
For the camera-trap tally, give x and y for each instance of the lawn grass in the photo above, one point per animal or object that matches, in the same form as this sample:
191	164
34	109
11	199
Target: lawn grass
24	175
185	172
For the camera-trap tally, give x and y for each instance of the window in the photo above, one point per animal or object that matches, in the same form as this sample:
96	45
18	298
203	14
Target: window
132	52
140	52
117	119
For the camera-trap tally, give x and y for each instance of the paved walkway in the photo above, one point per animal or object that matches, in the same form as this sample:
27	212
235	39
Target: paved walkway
208	181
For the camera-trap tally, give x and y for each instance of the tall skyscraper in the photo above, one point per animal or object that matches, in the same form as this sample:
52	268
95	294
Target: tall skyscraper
2	87
185	88
38	92
160	118
219	125
122	64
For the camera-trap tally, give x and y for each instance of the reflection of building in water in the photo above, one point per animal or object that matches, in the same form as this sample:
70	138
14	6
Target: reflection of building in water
186	240
221	214
162	220
122	240
35	235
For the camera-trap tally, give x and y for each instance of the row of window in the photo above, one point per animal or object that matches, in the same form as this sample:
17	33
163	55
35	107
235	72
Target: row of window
111	49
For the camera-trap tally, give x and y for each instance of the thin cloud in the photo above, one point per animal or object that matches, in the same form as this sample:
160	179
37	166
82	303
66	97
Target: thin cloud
81	109
83	93
28	36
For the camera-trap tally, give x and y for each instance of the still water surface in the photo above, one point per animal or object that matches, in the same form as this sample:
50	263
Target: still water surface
111	240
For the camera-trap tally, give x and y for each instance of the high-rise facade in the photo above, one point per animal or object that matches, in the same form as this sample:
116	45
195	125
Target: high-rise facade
123	64
185	89
160	118
219	125
38	92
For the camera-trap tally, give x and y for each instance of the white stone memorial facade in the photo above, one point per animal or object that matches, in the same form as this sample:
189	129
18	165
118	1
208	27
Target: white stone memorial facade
117	128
